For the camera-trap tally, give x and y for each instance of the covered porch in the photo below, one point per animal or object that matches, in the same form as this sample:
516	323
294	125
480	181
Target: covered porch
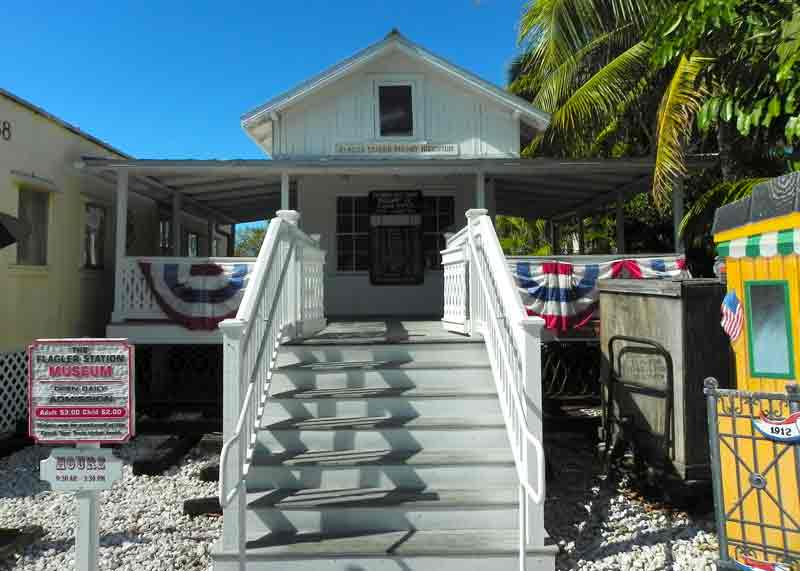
227	193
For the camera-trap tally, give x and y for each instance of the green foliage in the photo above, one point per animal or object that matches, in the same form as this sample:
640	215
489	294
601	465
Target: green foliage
521	237
753	68
248	241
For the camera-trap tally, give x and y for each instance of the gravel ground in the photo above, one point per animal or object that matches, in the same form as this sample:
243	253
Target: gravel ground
142	525
603	523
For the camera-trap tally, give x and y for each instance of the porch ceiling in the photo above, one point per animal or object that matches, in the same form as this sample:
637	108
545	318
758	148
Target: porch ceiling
246	190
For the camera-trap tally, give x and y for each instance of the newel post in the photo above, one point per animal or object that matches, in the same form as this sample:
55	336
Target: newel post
233	389
530	344
294	277
473	217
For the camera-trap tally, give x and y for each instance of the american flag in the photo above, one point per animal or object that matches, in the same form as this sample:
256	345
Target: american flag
732	316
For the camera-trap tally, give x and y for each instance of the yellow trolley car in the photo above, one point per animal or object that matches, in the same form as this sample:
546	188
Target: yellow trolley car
754	430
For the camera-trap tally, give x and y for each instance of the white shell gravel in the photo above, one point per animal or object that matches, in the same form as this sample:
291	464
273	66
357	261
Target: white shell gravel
142	525
603	524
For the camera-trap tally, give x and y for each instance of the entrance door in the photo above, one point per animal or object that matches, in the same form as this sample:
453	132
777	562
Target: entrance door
396	254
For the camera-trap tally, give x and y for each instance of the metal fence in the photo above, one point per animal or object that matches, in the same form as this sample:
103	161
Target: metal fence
755	462
13	390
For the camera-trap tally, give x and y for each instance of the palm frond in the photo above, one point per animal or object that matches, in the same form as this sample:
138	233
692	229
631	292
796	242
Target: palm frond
701	212
595	102
679	106
557	28
558	84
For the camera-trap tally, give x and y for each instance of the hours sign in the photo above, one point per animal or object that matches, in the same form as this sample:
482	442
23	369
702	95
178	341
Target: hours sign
80	390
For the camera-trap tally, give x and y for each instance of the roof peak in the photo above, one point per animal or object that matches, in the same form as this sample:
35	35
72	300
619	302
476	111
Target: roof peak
394	32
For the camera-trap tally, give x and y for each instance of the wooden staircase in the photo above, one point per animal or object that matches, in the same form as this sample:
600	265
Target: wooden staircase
383	451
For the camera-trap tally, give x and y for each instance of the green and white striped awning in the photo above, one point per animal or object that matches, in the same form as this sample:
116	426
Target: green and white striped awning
764	245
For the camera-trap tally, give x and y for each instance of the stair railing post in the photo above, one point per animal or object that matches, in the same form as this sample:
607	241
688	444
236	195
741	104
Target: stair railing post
292	299
473	217
530	343
234	534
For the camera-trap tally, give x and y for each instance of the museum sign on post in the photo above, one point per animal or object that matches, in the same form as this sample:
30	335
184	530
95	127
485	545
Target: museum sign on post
80	392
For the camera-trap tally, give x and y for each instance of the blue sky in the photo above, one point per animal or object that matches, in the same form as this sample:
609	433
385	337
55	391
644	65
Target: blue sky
169	79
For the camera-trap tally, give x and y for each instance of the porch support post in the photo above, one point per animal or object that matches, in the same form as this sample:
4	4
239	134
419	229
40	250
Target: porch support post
581	238
120	239
284	191
232	241
480	190
177	234
555	238
212	233
677	215
620	220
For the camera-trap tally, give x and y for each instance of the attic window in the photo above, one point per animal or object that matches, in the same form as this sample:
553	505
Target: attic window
395	108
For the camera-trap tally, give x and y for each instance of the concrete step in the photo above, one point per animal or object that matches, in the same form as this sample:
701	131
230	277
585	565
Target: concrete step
463	468
421	550
466	377
461	352
401	434
325	403
380	509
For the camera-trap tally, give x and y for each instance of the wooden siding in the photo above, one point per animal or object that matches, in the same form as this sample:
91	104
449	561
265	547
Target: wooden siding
741	270
446	112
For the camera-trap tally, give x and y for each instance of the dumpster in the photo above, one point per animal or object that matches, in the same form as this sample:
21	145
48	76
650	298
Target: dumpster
660	340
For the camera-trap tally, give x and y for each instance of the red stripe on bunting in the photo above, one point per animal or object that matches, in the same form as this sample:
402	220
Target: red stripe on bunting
631	267
564	322
560	268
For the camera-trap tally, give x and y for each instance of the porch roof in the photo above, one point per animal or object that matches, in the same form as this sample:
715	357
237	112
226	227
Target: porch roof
246	190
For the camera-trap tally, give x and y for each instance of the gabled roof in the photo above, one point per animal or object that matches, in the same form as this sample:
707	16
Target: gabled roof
395	40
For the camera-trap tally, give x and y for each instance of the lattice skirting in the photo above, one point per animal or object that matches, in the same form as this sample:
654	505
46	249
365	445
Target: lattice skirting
571	370
179	377
13	390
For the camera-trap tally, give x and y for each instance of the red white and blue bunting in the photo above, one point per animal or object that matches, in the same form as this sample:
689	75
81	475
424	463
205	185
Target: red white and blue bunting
198	296
565	294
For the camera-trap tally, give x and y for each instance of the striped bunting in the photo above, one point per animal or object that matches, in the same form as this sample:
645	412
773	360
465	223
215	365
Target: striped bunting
765	245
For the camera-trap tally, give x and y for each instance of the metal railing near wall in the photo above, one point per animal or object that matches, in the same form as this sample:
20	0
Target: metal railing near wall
283	301
481	299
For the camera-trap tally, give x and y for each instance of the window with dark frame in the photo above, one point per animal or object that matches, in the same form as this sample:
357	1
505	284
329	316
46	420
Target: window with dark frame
352	233
94	237
396	111
34	210
437	216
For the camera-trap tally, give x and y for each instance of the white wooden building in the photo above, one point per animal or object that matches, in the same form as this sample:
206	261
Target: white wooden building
392	118
374	444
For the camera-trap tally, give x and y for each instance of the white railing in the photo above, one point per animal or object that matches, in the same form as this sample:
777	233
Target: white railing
133	297
483	300
284	300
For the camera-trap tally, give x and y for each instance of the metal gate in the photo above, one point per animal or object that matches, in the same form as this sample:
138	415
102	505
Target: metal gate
754	440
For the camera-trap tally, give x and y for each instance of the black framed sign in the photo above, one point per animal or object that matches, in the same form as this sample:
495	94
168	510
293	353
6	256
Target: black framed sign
396	253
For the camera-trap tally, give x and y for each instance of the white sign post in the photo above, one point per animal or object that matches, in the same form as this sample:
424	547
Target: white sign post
80	393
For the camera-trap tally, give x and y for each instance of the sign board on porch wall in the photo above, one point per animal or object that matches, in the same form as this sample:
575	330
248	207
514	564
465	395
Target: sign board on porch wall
80	391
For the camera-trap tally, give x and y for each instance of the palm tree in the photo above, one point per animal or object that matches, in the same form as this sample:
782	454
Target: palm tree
605	68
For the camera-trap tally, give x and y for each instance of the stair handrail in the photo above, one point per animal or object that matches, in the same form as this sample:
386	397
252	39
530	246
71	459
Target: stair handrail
513	343
283	300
